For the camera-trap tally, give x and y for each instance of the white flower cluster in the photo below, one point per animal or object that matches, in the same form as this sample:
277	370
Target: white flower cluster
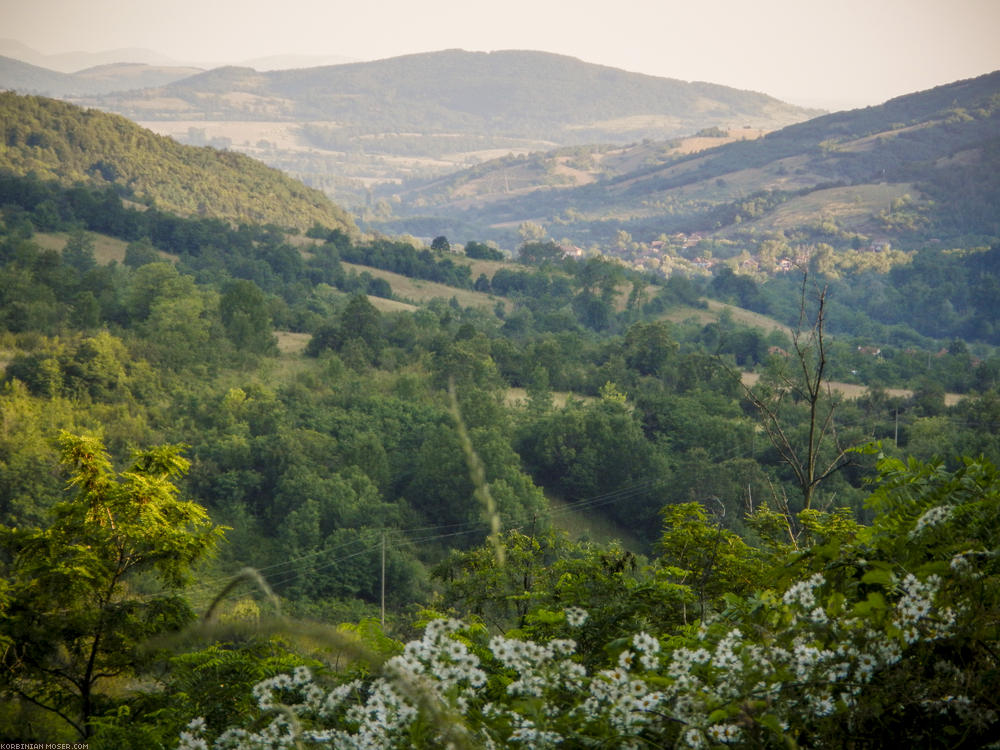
648	648
820	670
803	592
576	616
918	598
810	666
623	701
540	667
191	739
931	518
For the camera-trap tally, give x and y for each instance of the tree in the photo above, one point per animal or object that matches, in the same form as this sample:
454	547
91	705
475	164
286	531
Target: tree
440	244
482	251
648	347
530	231
362	320
79	252
140	253
244	312
537	253
73	618
804	384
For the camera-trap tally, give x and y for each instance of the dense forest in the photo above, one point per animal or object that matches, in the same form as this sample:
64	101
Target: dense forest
258	490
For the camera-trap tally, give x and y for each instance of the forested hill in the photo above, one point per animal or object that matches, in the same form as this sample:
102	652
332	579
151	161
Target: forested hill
515	93
59	141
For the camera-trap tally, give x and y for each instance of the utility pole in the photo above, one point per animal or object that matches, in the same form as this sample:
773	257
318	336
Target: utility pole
383	580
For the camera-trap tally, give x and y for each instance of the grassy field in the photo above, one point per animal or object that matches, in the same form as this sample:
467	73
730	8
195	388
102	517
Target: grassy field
290	342
559	398
390	305
487	267
852	207
419	291
590	526
853	390
106	249
748	318
739	315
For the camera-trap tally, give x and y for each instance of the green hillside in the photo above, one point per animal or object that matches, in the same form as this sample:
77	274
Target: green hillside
58	141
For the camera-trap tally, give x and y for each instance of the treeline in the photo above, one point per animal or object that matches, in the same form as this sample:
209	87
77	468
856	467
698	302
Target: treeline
938	296
212	250
405	259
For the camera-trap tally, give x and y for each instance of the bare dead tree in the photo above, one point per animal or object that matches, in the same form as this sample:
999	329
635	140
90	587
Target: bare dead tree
804	382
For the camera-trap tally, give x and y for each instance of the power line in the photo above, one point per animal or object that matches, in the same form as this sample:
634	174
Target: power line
289	570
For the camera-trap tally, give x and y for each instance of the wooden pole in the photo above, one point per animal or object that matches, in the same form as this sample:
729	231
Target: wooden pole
383	580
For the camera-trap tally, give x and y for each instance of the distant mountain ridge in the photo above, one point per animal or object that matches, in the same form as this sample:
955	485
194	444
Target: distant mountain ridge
25	78
73	62
522	93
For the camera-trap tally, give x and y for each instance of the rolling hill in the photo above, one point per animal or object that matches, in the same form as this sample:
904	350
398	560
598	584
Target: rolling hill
917	167
57	141
26	78
344	128
514	93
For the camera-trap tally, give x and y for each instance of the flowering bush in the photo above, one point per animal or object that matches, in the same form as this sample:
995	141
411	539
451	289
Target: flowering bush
884	633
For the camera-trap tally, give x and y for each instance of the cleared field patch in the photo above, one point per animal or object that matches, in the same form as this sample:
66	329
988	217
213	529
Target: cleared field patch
390	305
852	206
292	342
681	314
715	309
517	396
488	267
589	526
748	317
420	291
106	249
854	390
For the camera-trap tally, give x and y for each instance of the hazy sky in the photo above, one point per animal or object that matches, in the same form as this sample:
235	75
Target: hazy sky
815	52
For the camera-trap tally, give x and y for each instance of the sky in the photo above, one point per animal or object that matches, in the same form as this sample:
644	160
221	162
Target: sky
825	53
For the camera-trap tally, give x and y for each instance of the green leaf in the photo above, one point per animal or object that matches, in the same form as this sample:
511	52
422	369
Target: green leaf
772	722
547	617
883	577
874	602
